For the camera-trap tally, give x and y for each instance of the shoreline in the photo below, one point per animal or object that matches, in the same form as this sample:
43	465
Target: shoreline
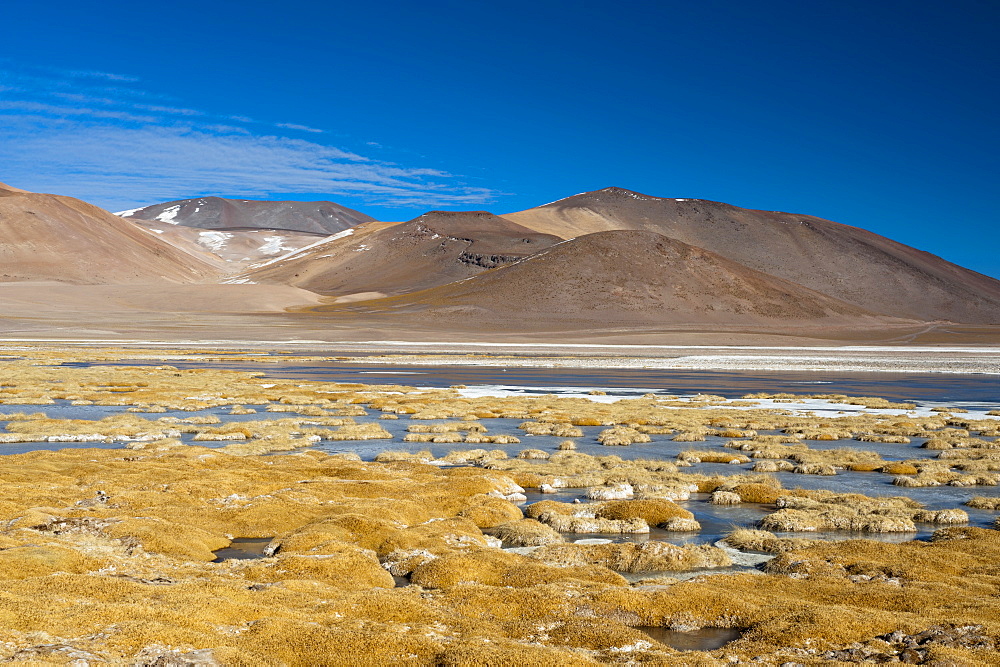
945	359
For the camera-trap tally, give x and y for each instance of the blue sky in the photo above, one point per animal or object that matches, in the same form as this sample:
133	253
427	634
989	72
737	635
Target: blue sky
875	114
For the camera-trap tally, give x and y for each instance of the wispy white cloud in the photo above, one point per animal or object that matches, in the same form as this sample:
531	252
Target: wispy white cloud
94	74
156	108
293	126
104	144
66	111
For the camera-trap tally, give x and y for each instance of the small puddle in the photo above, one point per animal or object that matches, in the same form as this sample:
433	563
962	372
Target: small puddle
401	582
243	548
705	639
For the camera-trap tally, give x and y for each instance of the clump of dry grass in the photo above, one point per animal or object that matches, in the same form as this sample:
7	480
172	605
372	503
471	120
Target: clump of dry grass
341	566
821	434
560	429
766	491
704	456
725	498
492	567
218	437
749	539
649	556
621	436
853	512
22	416
866	401
655	512
882	437
620	491
678	490
567	445
475	456
389	456
439	438
957	442
689	436
146	408
772	466
900	468
526	533
535	510
814	469
984	503
451	427
499	439
580	524
487	512
776	439
370	431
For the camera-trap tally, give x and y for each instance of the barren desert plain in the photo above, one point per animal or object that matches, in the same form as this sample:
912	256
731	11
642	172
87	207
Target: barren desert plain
611	429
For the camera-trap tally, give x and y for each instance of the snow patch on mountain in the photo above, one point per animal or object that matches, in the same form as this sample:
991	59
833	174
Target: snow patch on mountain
214	241
295	253
169	214
272	245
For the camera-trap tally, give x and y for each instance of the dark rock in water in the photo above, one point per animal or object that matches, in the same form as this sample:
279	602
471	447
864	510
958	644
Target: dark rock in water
703	639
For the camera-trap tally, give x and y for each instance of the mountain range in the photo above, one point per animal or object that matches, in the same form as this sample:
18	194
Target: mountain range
608	260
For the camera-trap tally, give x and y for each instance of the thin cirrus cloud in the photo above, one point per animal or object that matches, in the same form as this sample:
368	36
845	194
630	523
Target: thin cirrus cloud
75	135
293	126
93	74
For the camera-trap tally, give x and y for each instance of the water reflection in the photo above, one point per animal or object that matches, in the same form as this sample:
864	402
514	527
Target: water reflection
243	548
704	639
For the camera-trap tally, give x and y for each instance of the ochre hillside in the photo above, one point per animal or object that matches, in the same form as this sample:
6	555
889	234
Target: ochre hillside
845	262
232	250
626	278
53	238
436	248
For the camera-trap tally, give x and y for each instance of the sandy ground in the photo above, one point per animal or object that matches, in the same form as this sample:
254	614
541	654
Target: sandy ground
255	317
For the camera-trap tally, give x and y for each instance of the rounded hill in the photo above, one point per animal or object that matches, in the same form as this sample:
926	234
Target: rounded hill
623	277
848	263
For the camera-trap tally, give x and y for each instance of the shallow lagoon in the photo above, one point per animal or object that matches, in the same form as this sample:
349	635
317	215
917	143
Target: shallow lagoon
957	389
978	393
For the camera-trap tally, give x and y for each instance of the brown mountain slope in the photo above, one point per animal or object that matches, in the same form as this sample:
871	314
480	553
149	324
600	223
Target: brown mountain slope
436	248
53	238
845	262
314	217
626	278
232	250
